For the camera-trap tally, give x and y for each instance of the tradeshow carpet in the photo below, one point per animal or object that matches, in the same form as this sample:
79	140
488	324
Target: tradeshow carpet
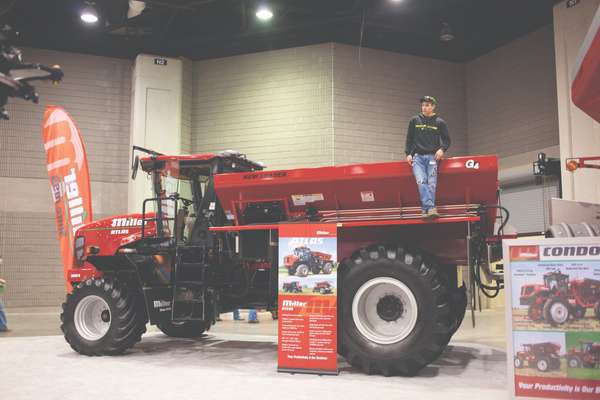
234	360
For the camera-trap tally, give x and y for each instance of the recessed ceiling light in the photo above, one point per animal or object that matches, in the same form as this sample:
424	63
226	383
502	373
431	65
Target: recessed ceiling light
264	13
89	15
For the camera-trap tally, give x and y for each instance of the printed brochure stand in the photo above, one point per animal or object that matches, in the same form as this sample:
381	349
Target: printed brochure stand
553	317
307	325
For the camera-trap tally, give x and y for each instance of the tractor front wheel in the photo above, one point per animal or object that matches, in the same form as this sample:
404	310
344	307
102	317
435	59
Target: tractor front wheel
542	364
302	270
556	311
103	317
184	329
394	315
327	268
574	362
518	362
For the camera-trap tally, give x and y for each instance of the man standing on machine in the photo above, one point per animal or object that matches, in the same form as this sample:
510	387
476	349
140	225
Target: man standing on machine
427	141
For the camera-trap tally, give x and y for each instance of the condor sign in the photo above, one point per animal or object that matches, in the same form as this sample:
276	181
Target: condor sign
562	252
69	179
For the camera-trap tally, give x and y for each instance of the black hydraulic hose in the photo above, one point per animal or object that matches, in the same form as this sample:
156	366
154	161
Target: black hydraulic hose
487	290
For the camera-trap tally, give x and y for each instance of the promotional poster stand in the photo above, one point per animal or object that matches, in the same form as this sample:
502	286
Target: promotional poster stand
307	293
553	317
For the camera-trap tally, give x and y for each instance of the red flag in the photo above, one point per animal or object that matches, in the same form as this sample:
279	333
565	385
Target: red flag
69	179
585	87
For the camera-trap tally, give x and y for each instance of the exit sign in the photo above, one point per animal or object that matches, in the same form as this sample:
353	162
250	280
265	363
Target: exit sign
160	61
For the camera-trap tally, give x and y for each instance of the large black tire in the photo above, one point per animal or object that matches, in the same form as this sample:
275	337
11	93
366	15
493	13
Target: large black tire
542	364
574	362
458	308
328	268
556	311
103	317
184	329
425	340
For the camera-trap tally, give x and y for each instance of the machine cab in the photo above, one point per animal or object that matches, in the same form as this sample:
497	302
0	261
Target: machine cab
183	190
556	281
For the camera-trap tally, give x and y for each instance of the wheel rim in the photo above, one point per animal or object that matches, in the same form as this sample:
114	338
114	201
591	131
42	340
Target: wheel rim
573	363
92	318
517	362
542	365
559	313
302	270
384	310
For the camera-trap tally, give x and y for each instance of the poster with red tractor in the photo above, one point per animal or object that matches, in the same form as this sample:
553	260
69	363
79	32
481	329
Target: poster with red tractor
307	298
553	318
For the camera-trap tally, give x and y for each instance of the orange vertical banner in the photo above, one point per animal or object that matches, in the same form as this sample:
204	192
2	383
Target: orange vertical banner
69	179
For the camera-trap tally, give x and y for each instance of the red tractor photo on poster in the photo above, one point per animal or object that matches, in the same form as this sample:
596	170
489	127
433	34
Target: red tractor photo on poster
543	356
558	298
586	356
303	261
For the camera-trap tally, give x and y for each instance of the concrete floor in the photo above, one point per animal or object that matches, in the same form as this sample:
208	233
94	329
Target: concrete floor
234	359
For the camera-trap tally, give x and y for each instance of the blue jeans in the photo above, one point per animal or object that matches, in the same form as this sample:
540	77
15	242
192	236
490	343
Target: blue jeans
3	323
425	170
252	315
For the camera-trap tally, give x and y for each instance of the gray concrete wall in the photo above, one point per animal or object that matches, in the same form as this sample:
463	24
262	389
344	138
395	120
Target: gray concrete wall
318	105
186	107
96	92
275	106
511	101
376	94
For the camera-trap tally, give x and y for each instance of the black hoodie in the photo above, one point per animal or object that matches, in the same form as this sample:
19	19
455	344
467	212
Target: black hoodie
426	135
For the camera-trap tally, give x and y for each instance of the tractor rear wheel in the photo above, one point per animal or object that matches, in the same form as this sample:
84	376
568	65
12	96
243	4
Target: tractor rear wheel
556	311
103	317
184	329
518	362
394	312
302	270
542	364
574	362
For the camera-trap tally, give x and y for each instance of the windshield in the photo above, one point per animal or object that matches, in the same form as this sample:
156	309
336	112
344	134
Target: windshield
182	199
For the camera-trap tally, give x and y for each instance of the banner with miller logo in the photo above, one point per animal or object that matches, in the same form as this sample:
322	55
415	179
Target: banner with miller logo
307	298
553	317
69	179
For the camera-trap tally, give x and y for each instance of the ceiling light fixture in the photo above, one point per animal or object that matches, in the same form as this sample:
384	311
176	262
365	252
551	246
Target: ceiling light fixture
446	34
264	13
89	15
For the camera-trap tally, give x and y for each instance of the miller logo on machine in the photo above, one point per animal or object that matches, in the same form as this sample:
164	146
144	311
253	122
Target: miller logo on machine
123	222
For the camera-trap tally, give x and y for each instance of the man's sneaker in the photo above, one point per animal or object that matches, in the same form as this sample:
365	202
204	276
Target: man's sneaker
253	321
433	213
